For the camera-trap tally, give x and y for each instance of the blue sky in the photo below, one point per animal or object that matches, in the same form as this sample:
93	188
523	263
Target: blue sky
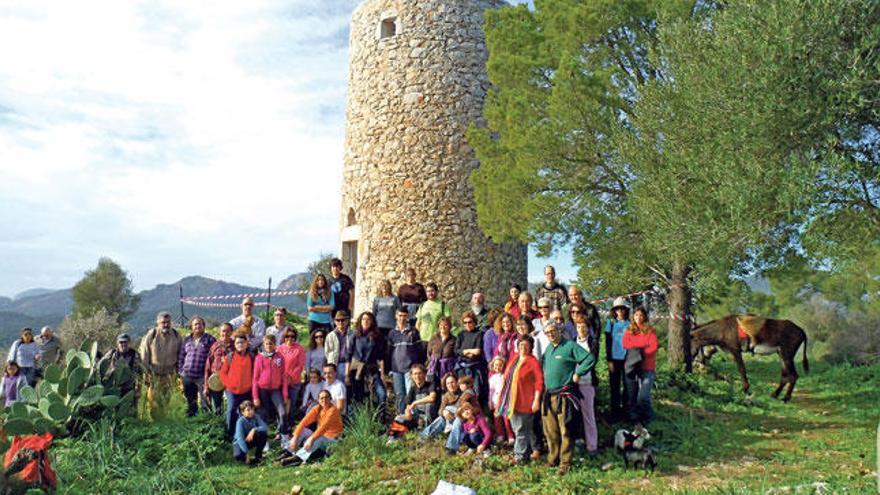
177	138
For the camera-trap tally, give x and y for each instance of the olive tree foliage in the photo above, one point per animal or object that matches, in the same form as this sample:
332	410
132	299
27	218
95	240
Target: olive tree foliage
102	327
317	267
106	287
665	142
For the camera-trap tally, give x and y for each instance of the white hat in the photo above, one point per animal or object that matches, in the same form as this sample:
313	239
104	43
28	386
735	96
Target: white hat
619	302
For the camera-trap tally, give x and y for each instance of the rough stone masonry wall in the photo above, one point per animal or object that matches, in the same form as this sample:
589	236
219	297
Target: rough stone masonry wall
407	162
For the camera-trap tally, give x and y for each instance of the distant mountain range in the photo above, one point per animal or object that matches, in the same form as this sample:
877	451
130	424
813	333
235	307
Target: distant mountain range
38	307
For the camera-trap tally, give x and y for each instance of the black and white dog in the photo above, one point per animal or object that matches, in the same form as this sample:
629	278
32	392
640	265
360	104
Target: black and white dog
631	445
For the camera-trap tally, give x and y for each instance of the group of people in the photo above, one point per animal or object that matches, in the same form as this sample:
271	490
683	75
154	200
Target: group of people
26	359
522	374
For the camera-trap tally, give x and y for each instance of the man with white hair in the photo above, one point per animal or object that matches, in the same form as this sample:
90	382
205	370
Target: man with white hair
478	306
50	348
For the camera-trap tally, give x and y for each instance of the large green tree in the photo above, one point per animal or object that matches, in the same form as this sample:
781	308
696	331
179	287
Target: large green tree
662	142
107	286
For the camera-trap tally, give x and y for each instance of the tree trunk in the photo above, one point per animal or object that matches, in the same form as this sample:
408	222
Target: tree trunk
679	341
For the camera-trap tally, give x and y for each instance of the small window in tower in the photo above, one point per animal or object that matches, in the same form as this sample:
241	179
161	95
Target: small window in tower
352	219
388	28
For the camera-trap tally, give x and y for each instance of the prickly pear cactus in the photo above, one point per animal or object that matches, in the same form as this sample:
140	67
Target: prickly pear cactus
66	393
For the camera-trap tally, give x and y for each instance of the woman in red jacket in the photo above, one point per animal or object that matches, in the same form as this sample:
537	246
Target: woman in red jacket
520	399
641	336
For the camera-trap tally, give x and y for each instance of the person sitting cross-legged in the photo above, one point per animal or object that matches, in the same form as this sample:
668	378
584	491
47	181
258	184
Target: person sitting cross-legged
305	443
250	433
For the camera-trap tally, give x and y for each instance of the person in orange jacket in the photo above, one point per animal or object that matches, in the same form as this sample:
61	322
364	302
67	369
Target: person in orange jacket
329	420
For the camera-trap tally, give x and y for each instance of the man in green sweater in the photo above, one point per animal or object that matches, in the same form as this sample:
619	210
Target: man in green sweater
564	363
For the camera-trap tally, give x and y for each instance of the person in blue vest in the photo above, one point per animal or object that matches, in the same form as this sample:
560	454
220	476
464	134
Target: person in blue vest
615	355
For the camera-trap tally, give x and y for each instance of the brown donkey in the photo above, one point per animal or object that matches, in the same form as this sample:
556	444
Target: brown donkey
780	336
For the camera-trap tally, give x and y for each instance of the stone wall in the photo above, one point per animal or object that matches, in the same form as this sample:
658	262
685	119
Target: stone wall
411	99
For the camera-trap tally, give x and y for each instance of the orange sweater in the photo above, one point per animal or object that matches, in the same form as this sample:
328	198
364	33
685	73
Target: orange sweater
329	422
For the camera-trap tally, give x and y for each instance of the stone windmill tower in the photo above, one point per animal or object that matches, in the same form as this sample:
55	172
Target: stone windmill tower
417	80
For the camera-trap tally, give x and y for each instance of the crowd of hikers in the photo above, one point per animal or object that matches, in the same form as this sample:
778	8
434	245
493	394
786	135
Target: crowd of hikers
521	375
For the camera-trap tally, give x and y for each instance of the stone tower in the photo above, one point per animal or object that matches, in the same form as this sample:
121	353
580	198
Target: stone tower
417	80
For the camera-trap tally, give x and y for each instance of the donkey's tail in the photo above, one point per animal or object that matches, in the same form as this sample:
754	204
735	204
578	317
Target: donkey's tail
806	362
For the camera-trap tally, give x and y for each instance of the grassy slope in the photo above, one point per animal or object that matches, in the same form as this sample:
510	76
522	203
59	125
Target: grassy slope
711	439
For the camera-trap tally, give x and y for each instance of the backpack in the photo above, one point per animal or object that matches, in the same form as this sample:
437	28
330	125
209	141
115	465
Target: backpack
28	460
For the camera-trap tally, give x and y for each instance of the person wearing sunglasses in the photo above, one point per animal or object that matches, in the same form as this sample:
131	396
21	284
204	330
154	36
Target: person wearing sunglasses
294	364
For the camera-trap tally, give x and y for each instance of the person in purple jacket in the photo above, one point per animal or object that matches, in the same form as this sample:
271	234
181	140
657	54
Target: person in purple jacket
475	433
191	364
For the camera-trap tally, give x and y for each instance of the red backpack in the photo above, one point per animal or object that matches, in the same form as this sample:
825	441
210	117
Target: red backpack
28	458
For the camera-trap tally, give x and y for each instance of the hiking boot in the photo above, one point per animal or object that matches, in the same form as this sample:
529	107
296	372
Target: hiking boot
256	461
451	451
535	455
563	470
291	461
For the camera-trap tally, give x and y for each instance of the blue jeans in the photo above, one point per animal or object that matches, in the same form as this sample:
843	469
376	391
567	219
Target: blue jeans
454	439
402	383
435	428
272	404
232	403
293	396
640	408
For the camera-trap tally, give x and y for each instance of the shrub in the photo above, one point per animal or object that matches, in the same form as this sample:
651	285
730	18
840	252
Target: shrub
101	327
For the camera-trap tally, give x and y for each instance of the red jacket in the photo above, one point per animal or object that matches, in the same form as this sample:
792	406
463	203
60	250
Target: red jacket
237	373
531	381
647	342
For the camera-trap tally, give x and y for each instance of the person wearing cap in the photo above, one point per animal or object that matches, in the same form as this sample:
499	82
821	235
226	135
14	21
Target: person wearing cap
124	353
222	347
50	348
552	290
160	349
258	326
615	354
336	343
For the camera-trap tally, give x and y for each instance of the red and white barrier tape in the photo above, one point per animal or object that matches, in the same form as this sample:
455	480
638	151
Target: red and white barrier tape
203	304
242	296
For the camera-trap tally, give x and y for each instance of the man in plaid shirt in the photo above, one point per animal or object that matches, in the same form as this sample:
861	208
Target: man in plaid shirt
191	364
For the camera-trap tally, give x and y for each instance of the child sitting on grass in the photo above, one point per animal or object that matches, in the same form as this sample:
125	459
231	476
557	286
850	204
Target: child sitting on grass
475	432
250	433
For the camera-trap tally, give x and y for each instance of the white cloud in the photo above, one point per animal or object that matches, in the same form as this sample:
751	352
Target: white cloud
176	137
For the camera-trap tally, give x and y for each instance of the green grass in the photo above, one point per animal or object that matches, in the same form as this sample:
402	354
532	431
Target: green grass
710	437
